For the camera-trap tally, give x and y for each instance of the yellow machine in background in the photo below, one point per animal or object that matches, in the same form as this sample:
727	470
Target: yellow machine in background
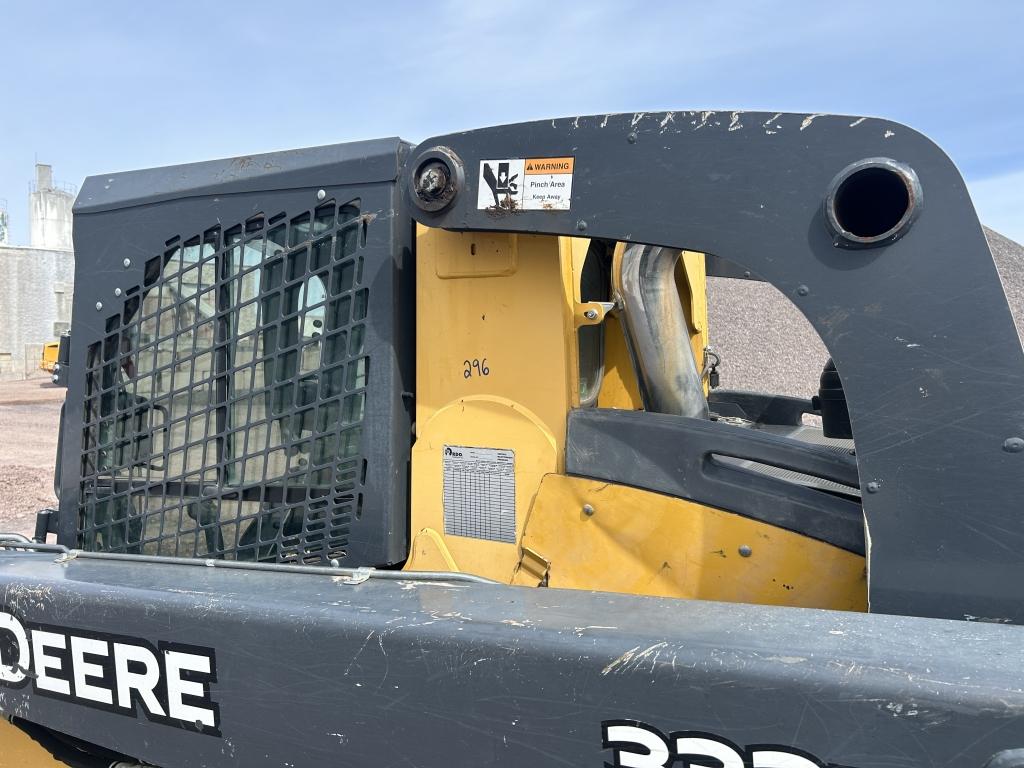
503	355
49	356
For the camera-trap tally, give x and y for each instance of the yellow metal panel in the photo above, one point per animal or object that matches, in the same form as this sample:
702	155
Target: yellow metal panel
496	368
430	553
482	423
644	543
619	389
572	255
517	321
18	750
476	254
691	279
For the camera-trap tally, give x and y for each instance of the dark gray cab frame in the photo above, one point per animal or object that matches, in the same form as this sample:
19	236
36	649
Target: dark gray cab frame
904	294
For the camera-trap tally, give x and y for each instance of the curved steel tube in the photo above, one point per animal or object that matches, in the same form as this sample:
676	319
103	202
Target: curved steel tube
657	332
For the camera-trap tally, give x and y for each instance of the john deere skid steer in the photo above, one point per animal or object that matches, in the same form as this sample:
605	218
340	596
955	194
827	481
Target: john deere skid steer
389	455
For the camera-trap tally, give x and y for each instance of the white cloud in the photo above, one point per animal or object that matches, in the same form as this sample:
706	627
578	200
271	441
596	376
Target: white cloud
999	201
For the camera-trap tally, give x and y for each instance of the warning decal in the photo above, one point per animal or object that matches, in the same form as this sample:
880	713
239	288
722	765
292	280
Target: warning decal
480	493
550	165
531	184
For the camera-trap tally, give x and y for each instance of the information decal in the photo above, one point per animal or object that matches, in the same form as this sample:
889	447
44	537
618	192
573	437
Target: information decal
480	493
526	184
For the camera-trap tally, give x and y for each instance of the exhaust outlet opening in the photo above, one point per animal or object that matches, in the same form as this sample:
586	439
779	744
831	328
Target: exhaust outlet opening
872	202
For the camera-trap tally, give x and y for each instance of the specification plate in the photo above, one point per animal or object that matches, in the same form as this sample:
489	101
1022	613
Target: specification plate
480	493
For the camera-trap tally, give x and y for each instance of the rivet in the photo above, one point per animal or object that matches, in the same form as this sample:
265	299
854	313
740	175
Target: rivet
581	225
1013	445
117	291
874	487
321	194
803	290
631	138
588	510
127	263
745	550
99	305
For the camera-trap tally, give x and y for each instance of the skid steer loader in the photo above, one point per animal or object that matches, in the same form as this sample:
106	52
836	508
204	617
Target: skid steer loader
381	454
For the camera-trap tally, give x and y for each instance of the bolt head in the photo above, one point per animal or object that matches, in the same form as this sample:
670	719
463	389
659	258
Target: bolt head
127	263
437	180
433	180
803	290
581	225
874	487
117	291
745	550
335	563
99	305
1013	445
321	194
588	510
55	379
631	138
590	314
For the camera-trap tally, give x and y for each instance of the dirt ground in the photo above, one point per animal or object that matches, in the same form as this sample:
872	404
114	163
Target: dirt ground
29	415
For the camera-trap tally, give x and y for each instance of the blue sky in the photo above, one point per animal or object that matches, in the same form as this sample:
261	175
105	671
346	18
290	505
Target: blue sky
106	86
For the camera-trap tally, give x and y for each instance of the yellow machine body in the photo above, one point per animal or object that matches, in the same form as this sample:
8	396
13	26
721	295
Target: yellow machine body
49	357
498	367
19	750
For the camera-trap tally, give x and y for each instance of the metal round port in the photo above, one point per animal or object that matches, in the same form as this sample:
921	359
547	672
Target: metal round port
872	202
437	178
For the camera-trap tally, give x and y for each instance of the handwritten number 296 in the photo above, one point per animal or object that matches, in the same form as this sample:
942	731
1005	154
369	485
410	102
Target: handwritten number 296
475	367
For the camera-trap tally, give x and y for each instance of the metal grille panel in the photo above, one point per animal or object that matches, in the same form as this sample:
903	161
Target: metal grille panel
224	407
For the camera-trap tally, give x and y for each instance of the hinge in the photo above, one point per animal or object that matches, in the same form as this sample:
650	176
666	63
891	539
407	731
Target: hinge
533	570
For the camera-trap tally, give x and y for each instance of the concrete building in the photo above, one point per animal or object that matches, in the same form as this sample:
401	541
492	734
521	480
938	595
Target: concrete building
36	280
3	222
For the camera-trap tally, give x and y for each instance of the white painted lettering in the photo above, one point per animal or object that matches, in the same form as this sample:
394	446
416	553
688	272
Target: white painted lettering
143	682
176	662
702	749
638	745
655	754
11	670
82	670
43	662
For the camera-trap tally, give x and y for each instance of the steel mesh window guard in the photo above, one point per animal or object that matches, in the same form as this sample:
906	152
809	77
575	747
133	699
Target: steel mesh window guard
224	406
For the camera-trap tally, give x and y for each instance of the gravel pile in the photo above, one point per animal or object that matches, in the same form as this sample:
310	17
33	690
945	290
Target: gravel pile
767	345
